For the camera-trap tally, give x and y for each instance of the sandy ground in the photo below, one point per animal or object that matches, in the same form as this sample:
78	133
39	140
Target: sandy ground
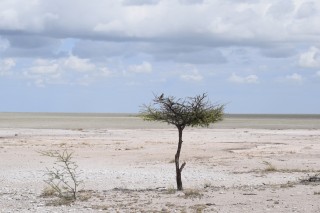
131	170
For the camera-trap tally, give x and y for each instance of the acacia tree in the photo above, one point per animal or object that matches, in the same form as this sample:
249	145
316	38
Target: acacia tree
191	111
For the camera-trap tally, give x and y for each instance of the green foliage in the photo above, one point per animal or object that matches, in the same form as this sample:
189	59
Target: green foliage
191	111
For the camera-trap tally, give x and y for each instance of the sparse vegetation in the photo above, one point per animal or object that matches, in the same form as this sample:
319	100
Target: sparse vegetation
63	180
311	179
272	168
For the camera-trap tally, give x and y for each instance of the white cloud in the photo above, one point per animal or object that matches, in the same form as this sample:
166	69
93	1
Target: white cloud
85	80
192	75
39	82
69	70
295	78
311	58
58	66
44	72
6	65
145	67
79	64
43	67
250	79
105	71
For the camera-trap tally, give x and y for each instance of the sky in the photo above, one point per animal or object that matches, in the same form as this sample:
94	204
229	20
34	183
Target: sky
255	56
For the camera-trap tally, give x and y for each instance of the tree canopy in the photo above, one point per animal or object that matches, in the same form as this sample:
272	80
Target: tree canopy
191	111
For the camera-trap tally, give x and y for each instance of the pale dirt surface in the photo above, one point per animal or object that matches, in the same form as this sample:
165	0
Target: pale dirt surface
131	170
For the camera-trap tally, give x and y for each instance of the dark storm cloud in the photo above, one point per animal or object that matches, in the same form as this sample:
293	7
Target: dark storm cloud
27	45
283	51
166	20
176	30
31	41
161	52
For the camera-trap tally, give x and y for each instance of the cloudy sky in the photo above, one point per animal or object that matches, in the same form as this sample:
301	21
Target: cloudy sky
256	56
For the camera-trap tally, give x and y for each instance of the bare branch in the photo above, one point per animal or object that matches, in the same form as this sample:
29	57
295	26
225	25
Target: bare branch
182	166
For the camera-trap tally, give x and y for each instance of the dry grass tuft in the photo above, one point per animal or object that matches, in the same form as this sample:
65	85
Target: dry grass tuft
207	185
62	201
101	207
172	161
171	190
192	193
287	185
199	208
85	195
270	167
48	192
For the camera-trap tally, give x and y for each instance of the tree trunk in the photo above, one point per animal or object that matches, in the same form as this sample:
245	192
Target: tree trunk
177	157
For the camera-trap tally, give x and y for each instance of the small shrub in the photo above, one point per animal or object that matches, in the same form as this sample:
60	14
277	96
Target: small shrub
64	178
192	193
